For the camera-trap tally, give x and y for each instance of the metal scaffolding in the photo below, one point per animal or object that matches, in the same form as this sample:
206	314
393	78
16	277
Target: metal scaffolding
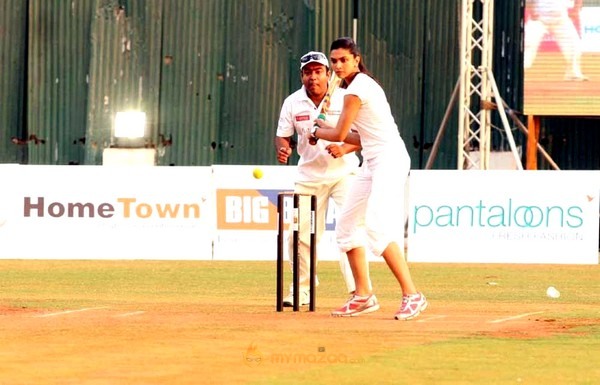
478	88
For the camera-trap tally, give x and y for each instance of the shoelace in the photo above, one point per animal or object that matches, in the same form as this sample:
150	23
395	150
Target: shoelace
409	298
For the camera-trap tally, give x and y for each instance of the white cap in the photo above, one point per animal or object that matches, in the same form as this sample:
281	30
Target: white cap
314	57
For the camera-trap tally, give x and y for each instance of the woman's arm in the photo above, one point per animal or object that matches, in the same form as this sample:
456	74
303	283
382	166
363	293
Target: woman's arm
353	139
341	132
337	150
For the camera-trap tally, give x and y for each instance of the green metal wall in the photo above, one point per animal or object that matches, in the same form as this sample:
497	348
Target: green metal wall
441	21
212	74
124	67
412	48
57	90
191	85
329	19
259	50
13	59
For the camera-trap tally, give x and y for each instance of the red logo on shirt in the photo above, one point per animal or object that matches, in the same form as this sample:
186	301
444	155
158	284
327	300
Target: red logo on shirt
300	118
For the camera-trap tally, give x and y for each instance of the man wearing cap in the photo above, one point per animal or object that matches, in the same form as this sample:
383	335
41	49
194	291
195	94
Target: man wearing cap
325	169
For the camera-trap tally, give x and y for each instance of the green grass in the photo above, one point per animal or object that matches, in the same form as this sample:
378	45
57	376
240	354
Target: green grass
247	288
480	362
560	360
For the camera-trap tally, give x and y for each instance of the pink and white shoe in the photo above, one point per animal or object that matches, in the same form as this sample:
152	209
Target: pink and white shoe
357	305
412	306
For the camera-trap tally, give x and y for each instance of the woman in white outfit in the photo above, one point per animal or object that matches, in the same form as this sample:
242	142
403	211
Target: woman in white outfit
376	198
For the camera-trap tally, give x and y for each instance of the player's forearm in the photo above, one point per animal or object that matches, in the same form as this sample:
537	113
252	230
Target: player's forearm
281	142
283	149
336	133
331	134
352	142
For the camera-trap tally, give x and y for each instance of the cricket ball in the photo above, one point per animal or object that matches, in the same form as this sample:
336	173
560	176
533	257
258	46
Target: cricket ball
257	173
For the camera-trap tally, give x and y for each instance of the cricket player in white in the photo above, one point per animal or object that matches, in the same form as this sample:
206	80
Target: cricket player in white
553	16
377	196
325	170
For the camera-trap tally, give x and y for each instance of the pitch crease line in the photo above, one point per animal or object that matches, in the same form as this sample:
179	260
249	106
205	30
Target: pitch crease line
70	311
496	321
432	318
130	314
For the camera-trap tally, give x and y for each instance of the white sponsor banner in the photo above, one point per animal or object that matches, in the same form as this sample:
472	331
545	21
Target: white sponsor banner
104	212
247	213
246	223
8	209
504	216
179	213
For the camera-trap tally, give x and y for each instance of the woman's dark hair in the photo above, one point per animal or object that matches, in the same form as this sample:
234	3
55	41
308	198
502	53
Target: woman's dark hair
349	44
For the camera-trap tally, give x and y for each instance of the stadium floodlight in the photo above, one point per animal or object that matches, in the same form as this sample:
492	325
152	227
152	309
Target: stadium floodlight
129	129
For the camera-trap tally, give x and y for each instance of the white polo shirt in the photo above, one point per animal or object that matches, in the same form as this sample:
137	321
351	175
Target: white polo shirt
298	114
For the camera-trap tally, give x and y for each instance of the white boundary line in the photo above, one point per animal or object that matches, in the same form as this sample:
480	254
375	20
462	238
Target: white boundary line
130	314
431	318
496	321
69	311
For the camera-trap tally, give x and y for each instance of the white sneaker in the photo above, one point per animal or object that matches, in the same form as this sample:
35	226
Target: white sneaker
412	305
304	298
356	306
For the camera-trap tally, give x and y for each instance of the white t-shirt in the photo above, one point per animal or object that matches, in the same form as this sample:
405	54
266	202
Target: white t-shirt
298	114
374	121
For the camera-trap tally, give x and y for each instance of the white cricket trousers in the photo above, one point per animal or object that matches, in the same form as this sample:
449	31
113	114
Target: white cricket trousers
564	34
338	191
376	201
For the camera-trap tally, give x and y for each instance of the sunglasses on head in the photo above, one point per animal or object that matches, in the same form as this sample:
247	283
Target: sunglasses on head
312	56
